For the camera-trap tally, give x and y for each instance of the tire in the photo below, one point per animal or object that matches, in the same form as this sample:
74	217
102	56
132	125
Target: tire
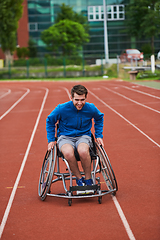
99	200
69	201
47	171
106	169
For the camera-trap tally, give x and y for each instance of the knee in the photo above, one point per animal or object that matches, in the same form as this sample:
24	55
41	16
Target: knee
83	151
68	152
68	155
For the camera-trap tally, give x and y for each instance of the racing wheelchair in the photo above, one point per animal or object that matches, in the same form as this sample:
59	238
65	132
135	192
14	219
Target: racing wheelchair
51	175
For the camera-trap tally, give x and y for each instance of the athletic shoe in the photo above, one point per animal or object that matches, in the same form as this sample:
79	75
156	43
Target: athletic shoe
80	182
89	182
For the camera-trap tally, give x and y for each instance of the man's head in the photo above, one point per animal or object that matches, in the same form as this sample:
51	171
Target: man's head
78	96
80	90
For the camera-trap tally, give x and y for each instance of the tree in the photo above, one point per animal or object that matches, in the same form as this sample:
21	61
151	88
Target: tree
32	48
66	12
143	19
67	34
10	13
22	52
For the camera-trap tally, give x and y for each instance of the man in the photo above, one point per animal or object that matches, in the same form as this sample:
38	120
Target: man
75	122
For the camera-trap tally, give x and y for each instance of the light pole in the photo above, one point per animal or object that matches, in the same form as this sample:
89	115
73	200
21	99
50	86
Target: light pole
105	33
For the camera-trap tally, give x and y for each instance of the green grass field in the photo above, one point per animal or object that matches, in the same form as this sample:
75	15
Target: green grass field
153	84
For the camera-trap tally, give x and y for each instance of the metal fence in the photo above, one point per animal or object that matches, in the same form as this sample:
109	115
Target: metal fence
50	67
71	66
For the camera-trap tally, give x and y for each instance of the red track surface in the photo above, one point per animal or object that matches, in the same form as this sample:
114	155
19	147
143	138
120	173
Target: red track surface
132	141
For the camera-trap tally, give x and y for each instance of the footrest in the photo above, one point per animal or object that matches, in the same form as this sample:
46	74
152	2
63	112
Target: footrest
83	188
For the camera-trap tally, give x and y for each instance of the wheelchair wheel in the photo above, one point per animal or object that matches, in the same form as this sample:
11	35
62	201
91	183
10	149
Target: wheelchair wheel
106	169
47	173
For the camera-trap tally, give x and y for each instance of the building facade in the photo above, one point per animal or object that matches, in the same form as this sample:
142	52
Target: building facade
39	15
42	14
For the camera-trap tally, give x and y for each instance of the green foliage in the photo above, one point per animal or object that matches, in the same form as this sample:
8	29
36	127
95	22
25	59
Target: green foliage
32	62
59	61
112	71
143	19
147	49
67	34
50	61
66	12
149	75
22	52
10	13
19	63
32	48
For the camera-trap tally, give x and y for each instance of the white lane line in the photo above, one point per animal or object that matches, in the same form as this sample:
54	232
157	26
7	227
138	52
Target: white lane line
5	217
135	90
143	105
118	207
125	119
5	94
123	218
69	95
20	99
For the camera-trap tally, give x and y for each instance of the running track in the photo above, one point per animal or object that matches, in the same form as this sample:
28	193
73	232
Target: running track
132	141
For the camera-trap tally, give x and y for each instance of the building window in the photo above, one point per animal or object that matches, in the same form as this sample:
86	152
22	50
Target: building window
32	27
113	12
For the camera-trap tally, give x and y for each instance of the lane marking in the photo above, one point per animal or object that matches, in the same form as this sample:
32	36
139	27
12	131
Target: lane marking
135	90
123	218
125	119
143	105
20	99
5	94
118	207
5	216
69	95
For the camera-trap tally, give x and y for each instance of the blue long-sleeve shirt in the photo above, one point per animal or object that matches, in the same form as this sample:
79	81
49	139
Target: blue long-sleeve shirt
73	122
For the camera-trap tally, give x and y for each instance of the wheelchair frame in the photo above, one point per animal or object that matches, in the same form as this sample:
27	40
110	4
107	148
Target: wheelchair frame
51	169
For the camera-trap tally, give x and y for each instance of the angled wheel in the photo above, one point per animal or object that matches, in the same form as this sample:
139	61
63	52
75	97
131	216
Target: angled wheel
106	169
47	171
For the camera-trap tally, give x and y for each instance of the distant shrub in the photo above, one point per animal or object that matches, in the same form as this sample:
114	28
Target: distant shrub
112	71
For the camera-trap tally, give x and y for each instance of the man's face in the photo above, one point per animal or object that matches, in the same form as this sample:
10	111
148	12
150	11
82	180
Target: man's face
78	101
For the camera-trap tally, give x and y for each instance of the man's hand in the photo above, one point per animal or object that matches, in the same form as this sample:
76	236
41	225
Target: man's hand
100	141
51	145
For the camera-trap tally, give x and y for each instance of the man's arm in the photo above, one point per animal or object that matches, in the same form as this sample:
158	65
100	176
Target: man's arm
100	141
50	124
51	145
98	126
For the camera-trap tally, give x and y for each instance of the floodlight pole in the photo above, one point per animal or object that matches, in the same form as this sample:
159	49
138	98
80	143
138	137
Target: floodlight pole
105	32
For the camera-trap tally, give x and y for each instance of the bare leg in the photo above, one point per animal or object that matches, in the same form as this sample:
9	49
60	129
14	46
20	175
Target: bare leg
83	150
69	155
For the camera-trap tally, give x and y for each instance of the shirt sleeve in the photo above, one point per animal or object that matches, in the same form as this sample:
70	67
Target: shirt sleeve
51	120
98	123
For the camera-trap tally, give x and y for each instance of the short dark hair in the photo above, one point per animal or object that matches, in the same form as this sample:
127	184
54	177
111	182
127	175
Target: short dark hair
79	89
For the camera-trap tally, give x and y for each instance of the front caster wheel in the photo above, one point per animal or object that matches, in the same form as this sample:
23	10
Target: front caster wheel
100	200
70	202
